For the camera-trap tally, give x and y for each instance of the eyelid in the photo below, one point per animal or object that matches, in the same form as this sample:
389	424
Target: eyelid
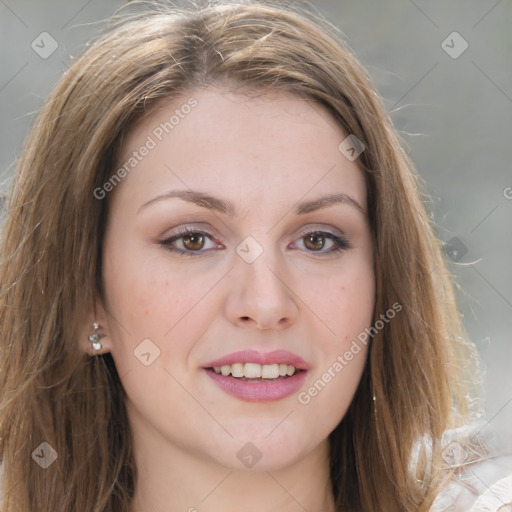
200	227
213	233
325	228
184	230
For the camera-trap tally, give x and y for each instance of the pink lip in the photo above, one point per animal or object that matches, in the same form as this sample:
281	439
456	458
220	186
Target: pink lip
253	356
259	390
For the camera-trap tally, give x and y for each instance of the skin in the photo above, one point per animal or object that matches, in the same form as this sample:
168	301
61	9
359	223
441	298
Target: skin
264	155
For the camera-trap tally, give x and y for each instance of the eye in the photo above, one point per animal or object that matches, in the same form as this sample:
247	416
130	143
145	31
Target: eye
190	242
324	242
194	242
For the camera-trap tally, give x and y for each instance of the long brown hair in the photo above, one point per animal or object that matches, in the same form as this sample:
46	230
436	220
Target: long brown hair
385	453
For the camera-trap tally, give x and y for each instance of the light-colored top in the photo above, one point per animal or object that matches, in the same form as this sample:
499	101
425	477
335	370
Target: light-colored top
480	479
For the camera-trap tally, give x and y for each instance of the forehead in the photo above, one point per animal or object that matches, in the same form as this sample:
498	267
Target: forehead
274	146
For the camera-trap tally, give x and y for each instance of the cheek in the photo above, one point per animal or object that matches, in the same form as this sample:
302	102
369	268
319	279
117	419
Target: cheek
149	298
348	311
345	301
151	306
141	288
346	307
328	395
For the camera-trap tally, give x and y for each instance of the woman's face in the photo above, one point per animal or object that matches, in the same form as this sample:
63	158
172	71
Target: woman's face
275	275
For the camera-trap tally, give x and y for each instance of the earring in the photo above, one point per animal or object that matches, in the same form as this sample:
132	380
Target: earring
93	338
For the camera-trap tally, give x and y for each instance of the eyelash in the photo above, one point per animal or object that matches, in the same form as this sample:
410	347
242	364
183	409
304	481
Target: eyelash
341	243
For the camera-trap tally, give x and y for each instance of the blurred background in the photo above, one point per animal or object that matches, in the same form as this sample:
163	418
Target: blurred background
444	70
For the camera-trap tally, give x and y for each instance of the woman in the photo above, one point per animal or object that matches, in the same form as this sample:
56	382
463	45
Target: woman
219	282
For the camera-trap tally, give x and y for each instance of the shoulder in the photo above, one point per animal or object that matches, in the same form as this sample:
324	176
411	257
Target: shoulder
479	477
497	498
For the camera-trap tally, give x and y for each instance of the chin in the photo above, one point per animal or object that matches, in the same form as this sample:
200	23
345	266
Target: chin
265	450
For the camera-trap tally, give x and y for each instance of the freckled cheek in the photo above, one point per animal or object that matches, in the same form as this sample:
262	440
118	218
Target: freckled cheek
133	285
152	295
347	303
151	298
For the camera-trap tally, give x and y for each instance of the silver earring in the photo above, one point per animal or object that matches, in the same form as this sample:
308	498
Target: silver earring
93	338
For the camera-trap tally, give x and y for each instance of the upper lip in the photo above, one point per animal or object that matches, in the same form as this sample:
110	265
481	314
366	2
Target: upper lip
253	356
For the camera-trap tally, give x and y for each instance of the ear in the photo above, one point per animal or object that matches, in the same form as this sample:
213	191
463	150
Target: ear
99	316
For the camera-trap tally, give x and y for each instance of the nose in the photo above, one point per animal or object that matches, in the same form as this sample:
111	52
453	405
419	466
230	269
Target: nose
262	296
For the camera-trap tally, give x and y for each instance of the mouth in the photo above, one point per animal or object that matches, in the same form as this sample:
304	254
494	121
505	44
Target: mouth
262	378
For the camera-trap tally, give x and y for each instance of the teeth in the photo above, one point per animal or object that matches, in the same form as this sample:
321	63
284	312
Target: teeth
255	370
270	371
237	370
252	370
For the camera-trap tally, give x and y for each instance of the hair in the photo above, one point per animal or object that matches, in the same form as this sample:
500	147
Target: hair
385	453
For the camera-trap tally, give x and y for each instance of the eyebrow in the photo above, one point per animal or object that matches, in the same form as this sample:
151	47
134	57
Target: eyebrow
225	207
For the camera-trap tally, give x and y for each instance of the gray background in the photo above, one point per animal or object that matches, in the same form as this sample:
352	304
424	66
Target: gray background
454	114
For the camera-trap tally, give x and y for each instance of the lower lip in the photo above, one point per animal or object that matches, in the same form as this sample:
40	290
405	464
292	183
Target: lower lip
259	390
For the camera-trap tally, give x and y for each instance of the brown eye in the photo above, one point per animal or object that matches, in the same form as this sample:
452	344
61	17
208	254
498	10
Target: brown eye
193	241
323	243
314	241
